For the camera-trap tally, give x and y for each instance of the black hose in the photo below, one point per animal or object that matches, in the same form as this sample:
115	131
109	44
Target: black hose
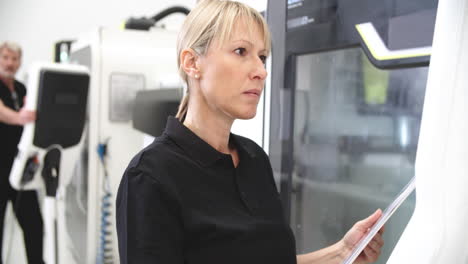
170	11
144	23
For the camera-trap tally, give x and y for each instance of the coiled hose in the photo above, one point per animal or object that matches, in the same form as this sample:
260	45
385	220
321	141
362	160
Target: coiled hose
105	254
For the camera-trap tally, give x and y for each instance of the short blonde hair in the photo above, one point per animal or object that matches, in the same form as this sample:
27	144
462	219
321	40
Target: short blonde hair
214	19
13	46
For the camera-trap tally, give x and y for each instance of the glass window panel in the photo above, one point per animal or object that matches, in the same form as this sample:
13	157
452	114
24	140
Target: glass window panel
356	132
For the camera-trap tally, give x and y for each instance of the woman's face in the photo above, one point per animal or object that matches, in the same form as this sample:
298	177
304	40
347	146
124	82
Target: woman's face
233	74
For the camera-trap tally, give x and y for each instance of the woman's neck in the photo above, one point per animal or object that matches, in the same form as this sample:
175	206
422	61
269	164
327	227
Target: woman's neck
213	129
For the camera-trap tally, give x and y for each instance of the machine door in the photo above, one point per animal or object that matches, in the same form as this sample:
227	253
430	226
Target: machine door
348	86
355	137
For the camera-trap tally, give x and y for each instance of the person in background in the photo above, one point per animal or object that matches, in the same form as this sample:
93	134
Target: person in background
12	118
200	194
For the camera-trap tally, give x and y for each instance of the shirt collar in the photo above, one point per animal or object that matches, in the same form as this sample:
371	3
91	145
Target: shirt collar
196	147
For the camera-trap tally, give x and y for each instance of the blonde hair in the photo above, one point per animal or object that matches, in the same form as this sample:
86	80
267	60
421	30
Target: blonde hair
209	20
13	46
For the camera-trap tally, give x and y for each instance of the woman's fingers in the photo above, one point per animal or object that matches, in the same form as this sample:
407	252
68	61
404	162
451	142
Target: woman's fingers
376	245
371	254
382	230
373	249
367	223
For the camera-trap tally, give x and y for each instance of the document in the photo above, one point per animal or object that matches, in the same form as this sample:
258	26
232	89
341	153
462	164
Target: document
400	198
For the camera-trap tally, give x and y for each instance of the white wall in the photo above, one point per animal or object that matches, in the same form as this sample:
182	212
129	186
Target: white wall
37	24
260	5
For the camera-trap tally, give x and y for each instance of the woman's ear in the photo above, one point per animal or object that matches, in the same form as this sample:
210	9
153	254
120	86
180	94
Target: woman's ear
189	63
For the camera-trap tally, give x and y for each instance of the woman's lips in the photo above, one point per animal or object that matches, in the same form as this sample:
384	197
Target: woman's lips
253	92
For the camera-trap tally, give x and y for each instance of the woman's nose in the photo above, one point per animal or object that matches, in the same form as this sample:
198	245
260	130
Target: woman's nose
259	71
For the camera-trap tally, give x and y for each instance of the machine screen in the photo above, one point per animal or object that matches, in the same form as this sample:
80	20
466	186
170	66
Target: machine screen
66	99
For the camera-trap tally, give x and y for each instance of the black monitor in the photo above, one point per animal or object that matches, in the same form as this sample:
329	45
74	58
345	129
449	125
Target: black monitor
61	108
152	107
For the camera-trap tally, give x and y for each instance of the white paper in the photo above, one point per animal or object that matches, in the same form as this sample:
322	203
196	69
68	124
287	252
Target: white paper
409	188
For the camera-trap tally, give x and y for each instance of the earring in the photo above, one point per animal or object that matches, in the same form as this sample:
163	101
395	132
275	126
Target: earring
197	76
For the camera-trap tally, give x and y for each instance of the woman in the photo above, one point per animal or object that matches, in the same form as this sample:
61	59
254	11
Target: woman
200	194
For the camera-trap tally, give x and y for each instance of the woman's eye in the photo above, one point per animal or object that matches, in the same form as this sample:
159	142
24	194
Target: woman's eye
263	58
240	51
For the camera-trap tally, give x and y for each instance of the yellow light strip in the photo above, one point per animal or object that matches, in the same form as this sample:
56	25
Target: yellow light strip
378	49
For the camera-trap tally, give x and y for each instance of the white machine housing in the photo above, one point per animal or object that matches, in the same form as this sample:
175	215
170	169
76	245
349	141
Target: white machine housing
436	232
68	154
26	148
121	63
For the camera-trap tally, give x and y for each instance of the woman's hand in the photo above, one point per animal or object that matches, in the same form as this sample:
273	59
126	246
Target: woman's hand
372	251
339	251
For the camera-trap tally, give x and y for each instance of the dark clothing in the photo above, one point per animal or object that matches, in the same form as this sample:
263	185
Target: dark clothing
25	203
182	201
10	135
26	209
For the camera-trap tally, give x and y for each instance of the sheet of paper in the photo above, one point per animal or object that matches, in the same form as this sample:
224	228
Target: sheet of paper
401	197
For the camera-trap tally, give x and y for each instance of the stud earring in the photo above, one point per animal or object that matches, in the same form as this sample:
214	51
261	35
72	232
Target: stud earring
197	76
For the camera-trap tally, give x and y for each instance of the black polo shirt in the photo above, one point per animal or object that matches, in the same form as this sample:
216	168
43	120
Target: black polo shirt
182	201
10	135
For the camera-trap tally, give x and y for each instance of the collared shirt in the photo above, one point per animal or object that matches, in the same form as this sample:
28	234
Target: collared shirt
10	135
182	201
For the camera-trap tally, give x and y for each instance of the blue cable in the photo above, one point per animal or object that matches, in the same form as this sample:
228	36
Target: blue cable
104	255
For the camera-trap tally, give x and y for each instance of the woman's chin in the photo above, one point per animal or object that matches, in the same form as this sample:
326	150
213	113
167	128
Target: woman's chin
247	115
